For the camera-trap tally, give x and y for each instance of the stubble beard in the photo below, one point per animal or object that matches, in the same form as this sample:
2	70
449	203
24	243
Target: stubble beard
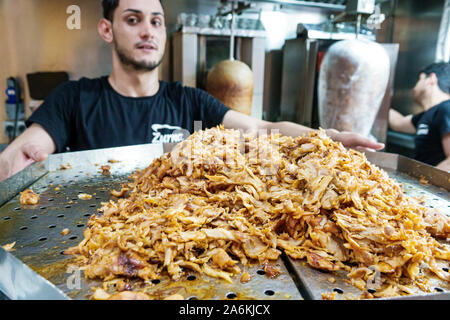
125	59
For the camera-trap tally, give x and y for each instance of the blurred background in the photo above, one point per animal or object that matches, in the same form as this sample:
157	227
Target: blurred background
283	42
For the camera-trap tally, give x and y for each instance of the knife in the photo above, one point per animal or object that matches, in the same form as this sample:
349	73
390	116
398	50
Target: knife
19	282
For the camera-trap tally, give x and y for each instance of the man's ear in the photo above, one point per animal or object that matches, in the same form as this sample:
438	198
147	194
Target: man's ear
105	30
432	78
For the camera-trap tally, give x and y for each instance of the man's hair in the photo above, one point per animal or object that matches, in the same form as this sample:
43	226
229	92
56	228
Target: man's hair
442	72
109	6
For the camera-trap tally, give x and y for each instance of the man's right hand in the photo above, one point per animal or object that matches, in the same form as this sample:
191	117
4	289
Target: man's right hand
34	145
20	160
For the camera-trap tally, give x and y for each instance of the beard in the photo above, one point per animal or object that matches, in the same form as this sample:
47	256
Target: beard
127	60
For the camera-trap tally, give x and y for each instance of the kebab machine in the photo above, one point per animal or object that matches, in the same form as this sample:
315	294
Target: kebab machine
335	75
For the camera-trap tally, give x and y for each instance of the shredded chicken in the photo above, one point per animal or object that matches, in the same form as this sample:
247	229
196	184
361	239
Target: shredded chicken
129	295
222	199
121	193
29	197
65	166
84	196
106	170
245	277
9	247
175	296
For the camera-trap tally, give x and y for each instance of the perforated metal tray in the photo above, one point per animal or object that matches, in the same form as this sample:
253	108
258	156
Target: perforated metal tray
39	242
434	190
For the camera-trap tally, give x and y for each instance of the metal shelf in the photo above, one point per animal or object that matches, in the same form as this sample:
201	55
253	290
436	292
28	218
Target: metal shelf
336	5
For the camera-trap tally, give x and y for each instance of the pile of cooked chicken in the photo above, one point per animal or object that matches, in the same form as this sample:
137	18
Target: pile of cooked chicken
224	199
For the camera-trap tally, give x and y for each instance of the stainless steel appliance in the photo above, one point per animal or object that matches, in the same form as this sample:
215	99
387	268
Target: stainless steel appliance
198	46
421	29
39	242
302	58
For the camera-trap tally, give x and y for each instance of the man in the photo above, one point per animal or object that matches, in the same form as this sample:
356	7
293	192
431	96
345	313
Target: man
431	127
131	106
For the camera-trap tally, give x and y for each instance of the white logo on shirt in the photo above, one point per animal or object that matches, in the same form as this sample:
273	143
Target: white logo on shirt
422	130
177	134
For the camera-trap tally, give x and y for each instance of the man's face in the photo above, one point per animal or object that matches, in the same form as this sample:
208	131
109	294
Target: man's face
139	33
421	88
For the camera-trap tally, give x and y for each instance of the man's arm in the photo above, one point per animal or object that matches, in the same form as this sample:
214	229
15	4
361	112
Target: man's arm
445	165
237	120
401	123
34	145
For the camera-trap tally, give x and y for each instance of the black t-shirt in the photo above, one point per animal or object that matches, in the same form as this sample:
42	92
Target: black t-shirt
90	114
431	126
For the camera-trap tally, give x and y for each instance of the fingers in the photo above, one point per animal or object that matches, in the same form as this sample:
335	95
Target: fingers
369	147
360	142
363	149
374	145
13	160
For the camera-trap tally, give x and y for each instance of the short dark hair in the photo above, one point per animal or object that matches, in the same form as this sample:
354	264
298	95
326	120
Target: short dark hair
442	72
109	6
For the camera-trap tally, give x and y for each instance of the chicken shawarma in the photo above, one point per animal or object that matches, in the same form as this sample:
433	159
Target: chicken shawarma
223	199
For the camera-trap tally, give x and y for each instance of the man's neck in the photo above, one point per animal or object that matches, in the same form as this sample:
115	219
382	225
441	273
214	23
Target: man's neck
131	83
435	99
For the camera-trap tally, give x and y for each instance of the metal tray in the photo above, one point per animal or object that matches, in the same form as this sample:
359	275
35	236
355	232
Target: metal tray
434	190
39	242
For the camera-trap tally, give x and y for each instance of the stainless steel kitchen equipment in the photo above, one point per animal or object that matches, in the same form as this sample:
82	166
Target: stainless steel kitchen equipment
197	47
232	81
40	243
353	78
421	28
416	28
302	58
419	180
19	282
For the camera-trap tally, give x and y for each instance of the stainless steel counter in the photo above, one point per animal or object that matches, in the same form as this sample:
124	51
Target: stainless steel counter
39	242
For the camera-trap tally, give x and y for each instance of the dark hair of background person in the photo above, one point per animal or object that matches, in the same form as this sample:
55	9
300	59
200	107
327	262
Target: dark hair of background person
109	6
442	72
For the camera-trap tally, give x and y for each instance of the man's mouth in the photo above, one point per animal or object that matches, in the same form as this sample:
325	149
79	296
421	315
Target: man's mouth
147	47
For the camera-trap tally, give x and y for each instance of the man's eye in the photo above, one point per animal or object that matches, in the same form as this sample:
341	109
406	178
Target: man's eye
132	20
157	22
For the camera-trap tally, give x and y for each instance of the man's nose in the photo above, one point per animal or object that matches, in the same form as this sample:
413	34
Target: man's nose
147	31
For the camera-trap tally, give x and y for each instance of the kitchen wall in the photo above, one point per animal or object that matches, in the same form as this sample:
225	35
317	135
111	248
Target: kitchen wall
35	38
416	28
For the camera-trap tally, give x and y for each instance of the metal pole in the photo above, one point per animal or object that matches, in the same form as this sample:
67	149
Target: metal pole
358	26
232	31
